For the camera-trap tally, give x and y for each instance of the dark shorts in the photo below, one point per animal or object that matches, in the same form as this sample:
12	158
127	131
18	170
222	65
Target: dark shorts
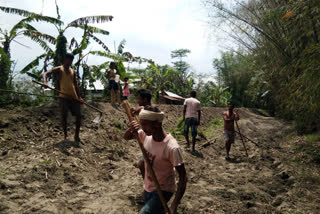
70	104
153	203
193	122
229	136
113	85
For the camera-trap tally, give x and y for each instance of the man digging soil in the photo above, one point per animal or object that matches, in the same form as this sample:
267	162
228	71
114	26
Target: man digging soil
68	86
144	100
229	117
165	157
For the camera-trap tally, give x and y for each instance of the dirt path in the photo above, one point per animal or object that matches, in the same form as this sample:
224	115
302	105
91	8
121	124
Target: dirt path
39	173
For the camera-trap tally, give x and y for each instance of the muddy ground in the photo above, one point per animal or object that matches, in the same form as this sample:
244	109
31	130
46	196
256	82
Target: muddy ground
41	173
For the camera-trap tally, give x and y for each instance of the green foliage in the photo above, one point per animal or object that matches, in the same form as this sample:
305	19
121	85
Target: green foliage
160	78
312	138
183	79
22	28
214	126
5	65
61	49
310	153
45	162
119	125
278	65
178	131
234	74
24	100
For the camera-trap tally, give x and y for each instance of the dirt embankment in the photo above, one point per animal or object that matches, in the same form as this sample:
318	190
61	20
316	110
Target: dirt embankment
40	173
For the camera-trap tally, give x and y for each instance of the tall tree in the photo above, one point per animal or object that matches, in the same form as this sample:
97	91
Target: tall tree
184	80
22	28
180	65
55	58
283	39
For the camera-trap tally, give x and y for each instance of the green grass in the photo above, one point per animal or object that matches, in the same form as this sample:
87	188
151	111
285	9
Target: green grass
263	112
177	132
3	172
298	212
45	162
215	124
119	125
308	150
207	132
312	138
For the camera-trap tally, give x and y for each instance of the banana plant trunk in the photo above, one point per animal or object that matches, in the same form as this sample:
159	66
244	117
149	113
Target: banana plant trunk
61	50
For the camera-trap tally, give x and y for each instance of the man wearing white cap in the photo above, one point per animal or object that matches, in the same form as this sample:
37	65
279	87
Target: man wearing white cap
165	157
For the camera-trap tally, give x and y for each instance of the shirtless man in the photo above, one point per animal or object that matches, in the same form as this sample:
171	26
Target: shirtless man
70	97
166	158
229	117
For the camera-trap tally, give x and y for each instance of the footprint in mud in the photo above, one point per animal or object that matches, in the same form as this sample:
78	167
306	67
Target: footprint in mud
64	145
234	160
197	154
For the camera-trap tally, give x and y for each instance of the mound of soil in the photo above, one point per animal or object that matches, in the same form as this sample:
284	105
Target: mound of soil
41	173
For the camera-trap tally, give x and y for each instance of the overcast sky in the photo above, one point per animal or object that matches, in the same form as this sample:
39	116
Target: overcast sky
151	28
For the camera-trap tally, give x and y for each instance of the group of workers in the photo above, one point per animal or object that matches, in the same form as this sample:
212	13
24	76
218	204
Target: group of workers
164	153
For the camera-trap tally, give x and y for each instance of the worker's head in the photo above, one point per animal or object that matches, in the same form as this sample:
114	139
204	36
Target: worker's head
144	97
126	79
151	120
68	59
112	65
230	106
193	94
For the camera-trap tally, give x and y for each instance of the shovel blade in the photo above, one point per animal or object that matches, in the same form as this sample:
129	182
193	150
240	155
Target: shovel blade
98	119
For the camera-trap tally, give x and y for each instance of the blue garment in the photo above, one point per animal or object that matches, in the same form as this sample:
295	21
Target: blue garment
153	203
193	122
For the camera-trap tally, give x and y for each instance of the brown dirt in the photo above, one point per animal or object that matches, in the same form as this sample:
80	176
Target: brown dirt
40	173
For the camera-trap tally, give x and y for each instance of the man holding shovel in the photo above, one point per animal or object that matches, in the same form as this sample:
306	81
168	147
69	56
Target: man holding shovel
165	158
229	118
70	95
144	100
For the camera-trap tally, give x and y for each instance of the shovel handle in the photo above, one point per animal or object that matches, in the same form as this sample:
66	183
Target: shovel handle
244	145
46	86
126	106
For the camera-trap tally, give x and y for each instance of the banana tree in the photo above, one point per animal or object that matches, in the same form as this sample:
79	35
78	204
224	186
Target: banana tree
120	57
56	57
23	28
221	96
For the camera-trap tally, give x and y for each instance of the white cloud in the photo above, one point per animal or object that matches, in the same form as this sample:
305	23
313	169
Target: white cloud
152	28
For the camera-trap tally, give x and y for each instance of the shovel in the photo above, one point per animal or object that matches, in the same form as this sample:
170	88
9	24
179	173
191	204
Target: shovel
96	120
241	136
126	106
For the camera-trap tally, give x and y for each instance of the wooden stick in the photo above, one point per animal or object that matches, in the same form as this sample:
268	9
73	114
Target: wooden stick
126	105
244	145
248	139
39	83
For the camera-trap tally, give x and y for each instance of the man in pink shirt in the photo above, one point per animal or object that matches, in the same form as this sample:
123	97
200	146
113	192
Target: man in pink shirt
165	157
191	117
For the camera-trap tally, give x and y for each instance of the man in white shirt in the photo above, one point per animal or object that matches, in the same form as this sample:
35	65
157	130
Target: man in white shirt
191	117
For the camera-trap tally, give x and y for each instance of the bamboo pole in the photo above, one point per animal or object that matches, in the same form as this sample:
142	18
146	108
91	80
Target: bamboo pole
248	139
244	145
126	106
